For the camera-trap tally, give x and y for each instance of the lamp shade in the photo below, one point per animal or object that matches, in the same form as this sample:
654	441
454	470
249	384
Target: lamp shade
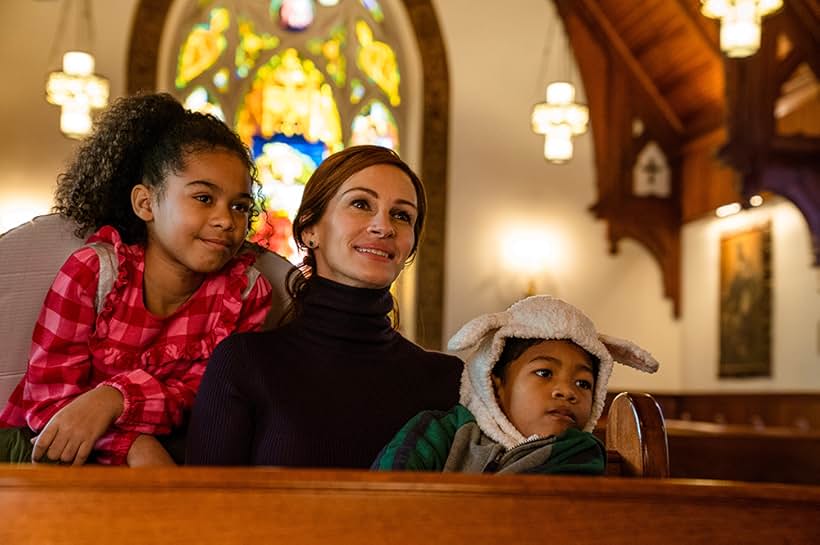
739	23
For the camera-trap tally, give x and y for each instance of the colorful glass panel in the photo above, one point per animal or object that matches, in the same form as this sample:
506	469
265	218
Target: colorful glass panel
200	100
378	61
375	125
222	79
375	10
331	50
357	91
294	15
202	47
250	46
287	64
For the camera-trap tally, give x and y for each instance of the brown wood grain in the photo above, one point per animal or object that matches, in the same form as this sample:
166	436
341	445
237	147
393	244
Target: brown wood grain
63	506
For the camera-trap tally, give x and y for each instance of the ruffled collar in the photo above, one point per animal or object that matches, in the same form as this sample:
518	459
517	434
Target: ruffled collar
333	310
229	283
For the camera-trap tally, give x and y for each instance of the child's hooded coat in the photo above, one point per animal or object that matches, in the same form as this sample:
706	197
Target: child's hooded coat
476	435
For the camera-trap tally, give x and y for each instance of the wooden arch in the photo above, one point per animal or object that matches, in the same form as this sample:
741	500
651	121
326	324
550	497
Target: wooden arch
143	56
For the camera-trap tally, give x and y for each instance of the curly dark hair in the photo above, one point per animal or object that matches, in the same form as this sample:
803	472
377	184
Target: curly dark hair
139	139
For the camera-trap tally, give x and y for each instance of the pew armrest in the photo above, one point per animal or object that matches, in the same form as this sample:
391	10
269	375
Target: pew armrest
636	433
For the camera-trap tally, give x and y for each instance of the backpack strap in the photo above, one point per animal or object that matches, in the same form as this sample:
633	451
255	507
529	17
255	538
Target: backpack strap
253	274
109	268
108	271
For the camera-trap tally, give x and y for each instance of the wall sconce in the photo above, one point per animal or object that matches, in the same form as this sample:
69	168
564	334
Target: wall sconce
559	118
76	89
739	23
531	253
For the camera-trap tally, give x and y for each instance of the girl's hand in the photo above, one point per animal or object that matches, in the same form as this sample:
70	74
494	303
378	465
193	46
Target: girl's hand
71	433
147	451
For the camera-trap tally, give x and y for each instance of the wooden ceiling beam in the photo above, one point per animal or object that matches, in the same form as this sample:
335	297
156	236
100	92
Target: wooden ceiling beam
804	19
597	17
696	23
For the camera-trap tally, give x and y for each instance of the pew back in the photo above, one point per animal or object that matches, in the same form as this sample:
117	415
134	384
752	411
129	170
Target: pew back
64	506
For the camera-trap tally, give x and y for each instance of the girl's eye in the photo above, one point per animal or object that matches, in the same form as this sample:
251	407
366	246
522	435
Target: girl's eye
584	384
544	373
360	204
206	199
242	207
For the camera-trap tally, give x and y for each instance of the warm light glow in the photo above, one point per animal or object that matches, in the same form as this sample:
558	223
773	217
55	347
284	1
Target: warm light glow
728	210
77	90
756	200
532	250
560	92
559	118
16	211
739	23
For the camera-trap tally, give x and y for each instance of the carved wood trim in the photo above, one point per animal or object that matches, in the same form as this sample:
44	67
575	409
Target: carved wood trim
598	19
787	165
653	222
141	75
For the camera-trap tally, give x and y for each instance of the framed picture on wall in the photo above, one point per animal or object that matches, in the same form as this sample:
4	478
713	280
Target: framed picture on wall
745	303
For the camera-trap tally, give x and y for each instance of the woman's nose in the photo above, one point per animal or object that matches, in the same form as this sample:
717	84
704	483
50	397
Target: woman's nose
381	224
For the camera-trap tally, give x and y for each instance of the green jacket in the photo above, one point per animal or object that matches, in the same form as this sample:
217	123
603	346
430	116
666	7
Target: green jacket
453	441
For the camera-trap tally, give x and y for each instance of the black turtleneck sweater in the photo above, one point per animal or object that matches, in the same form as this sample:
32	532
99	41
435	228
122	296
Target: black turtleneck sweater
328	389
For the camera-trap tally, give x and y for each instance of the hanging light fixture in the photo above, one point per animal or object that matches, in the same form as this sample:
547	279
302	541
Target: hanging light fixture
739	23
559	118
76	88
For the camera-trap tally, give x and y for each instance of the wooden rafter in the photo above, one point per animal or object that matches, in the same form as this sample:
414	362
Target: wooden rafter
804	20
696	22
599	19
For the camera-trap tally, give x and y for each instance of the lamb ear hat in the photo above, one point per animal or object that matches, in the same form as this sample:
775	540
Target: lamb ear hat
536	317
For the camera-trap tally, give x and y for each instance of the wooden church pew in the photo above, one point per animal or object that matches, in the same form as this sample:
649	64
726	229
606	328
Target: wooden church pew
742	452
61	506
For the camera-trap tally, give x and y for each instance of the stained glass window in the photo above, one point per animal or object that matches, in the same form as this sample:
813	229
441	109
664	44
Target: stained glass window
298	80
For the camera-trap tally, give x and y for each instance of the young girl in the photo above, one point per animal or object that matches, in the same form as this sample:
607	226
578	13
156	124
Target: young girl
170	192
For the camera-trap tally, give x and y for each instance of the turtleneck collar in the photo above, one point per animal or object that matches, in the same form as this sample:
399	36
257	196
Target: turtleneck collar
336	311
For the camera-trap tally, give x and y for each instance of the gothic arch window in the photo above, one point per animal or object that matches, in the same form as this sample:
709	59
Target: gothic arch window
421	117
297	79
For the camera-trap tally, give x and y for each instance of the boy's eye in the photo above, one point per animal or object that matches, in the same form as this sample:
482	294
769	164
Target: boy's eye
544	373
203	198
584	384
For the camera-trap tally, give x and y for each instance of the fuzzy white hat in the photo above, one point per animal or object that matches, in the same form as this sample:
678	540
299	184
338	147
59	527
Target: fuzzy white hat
537	317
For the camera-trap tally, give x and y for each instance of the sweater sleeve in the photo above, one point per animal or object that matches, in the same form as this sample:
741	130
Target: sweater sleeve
423	444
221	428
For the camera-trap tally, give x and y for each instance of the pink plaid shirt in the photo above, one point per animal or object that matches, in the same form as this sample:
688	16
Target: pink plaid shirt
156	363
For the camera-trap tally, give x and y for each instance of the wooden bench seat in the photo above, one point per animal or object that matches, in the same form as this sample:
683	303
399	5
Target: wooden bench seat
53	505
741	452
